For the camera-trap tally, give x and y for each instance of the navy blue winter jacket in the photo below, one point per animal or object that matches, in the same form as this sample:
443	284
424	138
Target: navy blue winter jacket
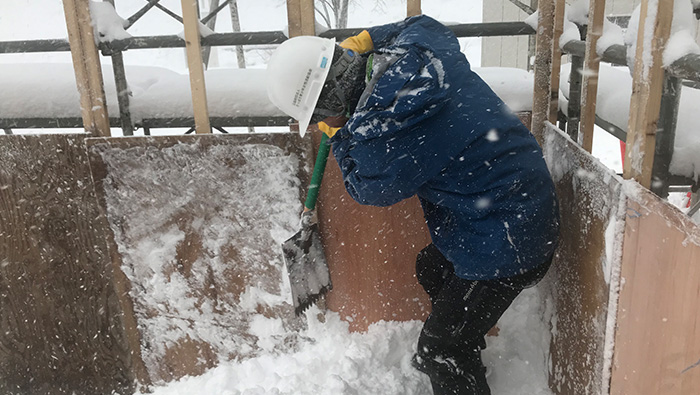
428	125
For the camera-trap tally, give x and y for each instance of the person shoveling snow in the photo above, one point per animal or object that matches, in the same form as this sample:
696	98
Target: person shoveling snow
407	116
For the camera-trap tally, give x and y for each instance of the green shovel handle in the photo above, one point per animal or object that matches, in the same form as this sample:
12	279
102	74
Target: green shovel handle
317	177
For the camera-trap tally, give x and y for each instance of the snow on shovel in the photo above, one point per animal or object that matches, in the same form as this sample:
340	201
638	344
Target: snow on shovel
303	254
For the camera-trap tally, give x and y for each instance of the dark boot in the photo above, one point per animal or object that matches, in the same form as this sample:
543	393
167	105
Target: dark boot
460	385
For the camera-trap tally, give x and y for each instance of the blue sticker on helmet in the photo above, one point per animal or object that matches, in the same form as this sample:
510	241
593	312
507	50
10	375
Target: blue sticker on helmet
324	62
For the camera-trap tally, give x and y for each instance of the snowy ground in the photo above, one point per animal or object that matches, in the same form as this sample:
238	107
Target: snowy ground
377	362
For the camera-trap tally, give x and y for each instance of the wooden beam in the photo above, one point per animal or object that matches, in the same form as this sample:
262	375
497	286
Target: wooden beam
556	61
196	67
413	7
86	63
647	87
591	67
300	16
543	65
308	21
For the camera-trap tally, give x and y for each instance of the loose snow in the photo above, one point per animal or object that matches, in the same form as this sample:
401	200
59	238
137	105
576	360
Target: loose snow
107	23
333	360
680	41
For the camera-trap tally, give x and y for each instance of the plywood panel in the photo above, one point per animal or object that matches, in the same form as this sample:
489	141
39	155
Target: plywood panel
589	196
198	222
60	319
371	252
657	346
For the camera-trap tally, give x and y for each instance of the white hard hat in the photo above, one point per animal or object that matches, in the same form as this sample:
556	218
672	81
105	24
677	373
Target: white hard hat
296	74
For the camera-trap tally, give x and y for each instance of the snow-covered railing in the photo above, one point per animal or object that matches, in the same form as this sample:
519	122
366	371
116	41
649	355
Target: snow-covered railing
246	38
686	67
114	44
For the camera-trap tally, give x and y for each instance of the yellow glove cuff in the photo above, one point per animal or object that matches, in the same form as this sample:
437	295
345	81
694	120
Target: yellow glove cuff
361	43
328	130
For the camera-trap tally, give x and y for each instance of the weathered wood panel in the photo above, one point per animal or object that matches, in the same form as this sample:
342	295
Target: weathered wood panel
198	222
589	196
60	319
657	343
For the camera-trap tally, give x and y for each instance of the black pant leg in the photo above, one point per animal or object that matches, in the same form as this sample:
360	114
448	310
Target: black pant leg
432	270
463	311
450	344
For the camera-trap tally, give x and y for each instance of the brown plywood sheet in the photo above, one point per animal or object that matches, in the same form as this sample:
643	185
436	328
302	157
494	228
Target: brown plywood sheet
657	343
198	223
60	319
589	196
371	252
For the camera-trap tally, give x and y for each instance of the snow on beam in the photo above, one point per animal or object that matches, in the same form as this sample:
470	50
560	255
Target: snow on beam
686	67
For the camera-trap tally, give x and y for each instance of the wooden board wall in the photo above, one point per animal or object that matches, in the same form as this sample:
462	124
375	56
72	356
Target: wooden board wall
589	197
60	319
657	343
371	252
198	222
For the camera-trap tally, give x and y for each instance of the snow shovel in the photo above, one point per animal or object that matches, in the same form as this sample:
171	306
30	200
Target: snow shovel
303	254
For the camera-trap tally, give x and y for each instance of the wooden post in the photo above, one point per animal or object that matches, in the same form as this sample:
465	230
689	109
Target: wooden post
574	107
647	87
413	8
556	61
300	16
196	67
591	67
88	71
543	66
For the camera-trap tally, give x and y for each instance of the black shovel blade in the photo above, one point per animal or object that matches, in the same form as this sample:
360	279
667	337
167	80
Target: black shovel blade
307	267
